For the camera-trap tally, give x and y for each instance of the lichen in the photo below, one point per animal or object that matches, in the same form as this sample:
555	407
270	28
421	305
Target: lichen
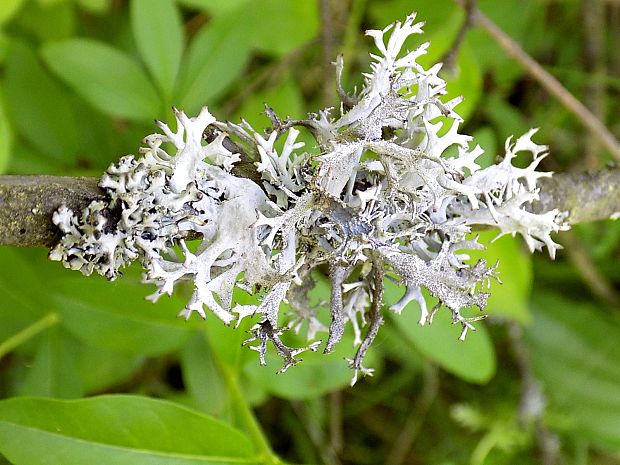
382	197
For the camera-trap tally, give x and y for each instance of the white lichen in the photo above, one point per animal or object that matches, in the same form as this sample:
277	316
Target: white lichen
383	200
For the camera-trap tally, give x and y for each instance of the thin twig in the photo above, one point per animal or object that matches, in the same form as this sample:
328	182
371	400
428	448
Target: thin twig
451	55
315	433
332	12
550	83
532	404
594	58
413	424
591	275
336	434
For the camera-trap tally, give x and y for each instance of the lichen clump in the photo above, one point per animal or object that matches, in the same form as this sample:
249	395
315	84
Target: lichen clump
393	194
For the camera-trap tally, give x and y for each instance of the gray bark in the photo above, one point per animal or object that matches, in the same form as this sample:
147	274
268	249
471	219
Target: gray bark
28	202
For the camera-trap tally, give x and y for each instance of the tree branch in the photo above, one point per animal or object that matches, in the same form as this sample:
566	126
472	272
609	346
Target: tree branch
28	202
587	196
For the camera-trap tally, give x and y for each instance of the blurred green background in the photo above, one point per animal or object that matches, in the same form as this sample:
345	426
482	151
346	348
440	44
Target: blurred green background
81	82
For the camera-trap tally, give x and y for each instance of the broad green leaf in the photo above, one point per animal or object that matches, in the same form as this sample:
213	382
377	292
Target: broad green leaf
23	293
116	316
6	138
507	119
575	353
38	106
48	21
436	14
158	32
104	76
511	298
8	8
215	59
54	372
95	6
201	376
298	22
485	137
472	360
120	430
465	79
100	368
215	7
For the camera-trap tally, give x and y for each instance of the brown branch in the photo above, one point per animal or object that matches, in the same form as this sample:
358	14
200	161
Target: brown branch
550	83
450	57
587	196
28	202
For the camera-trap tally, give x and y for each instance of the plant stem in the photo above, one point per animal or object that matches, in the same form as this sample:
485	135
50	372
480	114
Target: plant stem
268	456
28	332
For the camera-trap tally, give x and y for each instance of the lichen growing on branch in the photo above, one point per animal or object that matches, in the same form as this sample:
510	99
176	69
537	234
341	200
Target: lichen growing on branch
393	194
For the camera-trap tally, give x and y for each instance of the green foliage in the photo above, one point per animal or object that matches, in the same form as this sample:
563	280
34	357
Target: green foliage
473	361
158	33
575	353
82	81
116	429
106	77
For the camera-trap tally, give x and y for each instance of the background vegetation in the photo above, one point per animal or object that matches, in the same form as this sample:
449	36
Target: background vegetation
80	84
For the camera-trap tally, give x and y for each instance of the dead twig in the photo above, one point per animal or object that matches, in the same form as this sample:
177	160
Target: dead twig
550	83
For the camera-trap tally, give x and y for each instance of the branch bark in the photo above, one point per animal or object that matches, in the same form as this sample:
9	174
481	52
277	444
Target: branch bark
28	202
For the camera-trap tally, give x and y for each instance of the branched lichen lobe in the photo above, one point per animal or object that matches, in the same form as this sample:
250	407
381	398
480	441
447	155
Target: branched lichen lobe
382	197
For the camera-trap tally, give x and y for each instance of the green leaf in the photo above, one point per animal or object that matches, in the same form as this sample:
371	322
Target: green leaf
8	8
466	78
54	372
116	315
297	21
202	378
158	32
104	76
507	119
436	14
466	81
123	430
575	352
511	298
20	305
48	21
38	106
215	7
100	368
6	138
215	59
472	360
95	6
